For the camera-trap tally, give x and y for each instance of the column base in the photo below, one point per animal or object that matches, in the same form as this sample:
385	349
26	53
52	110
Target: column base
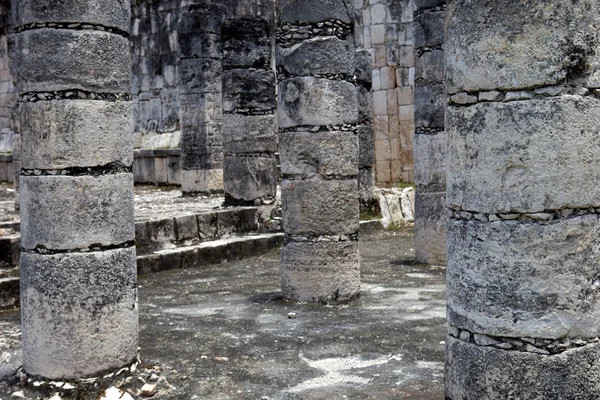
201	181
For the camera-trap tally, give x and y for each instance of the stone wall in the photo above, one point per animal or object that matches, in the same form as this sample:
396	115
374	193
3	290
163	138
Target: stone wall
385	28
8	126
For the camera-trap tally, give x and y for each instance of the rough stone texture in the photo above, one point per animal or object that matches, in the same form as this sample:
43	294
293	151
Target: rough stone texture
65	59
525	280
430	159
85	133
202	180
320	207
524	156
430	227
81	12
500	374
9	126
327	55
323	272
366	183
250	178
337	103
556	43
311	154
311	11
79	312
250	132
66	212
366	140
248	89
430	138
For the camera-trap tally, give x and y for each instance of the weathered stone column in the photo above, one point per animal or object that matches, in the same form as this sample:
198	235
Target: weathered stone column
317	106
523	164
430	137
200	96
249	106
78	267
366	138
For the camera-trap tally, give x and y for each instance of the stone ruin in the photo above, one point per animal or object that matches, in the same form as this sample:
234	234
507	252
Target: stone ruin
496	102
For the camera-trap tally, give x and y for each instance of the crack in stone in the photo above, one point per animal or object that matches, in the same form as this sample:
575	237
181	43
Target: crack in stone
108	169
72	26
40	249
74	94
543	217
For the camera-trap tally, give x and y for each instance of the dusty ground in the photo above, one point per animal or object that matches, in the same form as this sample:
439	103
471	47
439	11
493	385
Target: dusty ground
224	332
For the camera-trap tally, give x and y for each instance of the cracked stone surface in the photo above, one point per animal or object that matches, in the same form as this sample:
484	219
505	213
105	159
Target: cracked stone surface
226	333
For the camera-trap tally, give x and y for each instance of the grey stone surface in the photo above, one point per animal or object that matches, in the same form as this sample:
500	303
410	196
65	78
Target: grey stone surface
320	207
201	75
248	89
79	312
524	156
365	105
319	153
500	374
497	50
249	133
247	42
317	56
311	11
75	133
323	272
430	102
65	59
366	186
430	159
430	227
525	280
429	29
366	146
337	104
66	212
202	180
80	12
250	178
363	67
199	44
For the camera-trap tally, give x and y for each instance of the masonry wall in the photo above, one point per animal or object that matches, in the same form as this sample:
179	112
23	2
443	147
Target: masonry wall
8	124
385	28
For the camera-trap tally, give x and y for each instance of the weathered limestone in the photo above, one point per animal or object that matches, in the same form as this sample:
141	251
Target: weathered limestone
78	267
523	232
366	138
249	110
200	97
430	137
318	113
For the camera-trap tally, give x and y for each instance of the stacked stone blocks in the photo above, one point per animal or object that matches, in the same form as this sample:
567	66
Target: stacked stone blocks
318	112
200	97
78	271
430	136
523	231
249	111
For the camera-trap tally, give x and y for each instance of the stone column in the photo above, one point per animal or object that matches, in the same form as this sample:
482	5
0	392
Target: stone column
366	138
78	267
523	165
249	106
430	137
200	96
318	110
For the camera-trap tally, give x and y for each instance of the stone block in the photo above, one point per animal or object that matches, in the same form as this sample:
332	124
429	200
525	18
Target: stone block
524	156
377	34
250	178
430	103
316	101
62	59
388	78
248	89
200	75
199	44
366	185
429	29
320	207
317	56
485	40
76	212
486	373
310	154
508	278
75	133
80	313
363	67
202	181
186	228
365	105
201	18
430	227
246	42
207	225
324	272
196	109
81	12
430	159
309	11
161	173
249	133
366	146
380	106
173	170
430	66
